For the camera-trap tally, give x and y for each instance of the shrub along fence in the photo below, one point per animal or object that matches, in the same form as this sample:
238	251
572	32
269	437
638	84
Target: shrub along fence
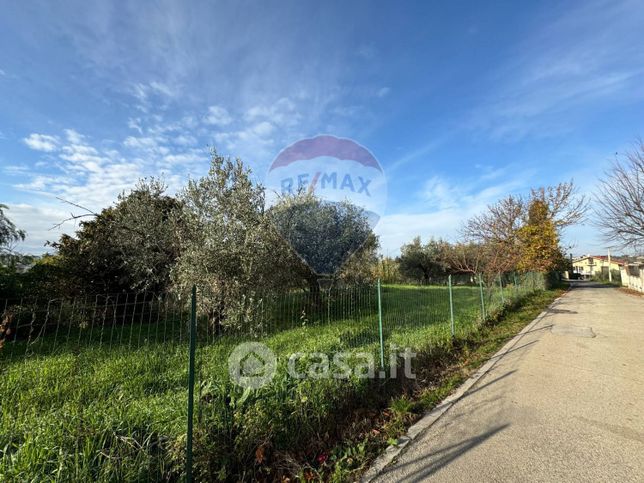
124	386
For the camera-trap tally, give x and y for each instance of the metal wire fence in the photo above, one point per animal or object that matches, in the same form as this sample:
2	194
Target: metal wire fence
95	387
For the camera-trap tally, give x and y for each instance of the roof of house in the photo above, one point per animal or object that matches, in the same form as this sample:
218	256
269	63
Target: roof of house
600	257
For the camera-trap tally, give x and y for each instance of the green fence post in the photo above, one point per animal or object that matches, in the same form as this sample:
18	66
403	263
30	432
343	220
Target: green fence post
483	314
191	382
516	287
501	285
382	341
451	303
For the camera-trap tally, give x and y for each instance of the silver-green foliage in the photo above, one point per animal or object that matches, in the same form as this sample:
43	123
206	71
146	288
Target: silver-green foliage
9	234
227	246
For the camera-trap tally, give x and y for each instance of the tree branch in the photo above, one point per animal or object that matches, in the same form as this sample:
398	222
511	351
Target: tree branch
72	215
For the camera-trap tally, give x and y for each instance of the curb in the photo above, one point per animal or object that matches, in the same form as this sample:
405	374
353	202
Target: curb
435	414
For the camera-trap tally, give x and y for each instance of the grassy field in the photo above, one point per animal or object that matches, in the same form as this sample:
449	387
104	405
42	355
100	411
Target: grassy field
112	411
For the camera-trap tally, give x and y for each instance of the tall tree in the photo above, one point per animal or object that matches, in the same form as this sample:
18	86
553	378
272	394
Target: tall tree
9	234
498	228
145	224
565	206
333	239
223	239
470	258
486	259
423	261
361	266
620	203
91	260
130	246
539	240
388	270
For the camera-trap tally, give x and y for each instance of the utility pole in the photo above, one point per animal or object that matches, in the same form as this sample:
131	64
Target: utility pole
610	274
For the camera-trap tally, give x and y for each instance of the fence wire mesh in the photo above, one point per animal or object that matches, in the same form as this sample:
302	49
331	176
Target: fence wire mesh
95	388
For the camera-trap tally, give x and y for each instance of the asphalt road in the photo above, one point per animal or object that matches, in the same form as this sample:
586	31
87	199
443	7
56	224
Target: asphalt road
565	404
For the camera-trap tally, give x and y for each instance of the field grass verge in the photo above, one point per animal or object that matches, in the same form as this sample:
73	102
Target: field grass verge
117	412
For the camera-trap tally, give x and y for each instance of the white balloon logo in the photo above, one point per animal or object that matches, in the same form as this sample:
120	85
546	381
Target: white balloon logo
347	185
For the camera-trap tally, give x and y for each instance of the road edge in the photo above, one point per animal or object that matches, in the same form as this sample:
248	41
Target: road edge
393	451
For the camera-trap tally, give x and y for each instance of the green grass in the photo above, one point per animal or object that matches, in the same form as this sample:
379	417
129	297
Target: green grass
103	412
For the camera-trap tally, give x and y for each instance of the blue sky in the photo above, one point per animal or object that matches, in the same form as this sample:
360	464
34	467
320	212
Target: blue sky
462	103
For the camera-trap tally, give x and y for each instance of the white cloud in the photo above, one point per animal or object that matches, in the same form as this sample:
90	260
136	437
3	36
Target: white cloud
38	220
144	91
80	156
440	194
218	116
162	88
135	124
185	140
254	142
263	128
16	170
282	113
93	174
153	95
261	132
383	91
74	136
194	156
42	142
141	142
79	153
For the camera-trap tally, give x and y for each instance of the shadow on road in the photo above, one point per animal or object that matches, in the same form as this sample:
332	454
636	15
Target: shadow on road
545	327
582	284
561	311
514	349
488	384
434	461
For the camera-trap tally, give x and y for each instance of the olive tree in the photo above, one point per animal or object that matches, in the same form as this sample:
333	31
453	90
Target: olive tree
332	239
423	262
9	234
146	222
90	260
223	235
226	247
129	246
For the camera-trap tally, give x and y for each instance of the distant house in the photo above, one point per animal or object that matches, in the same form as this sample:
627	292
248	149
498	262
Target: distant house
589	266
